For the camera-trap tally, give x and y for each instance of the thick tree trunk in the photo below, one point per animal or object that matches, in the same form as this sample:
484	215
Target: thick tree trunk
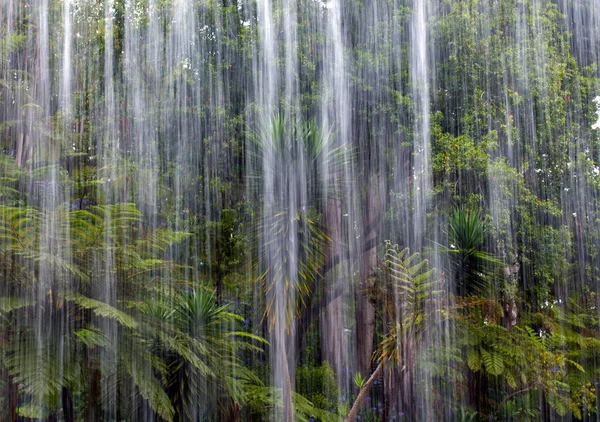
332	314
92	399
27	147
363	393
365	330
365	314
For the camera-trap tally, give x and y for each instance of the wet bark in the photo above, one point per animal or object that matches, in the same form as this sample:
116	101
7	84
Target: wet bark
365	331
365	315
67	405
20	149
331	315
13	399
91	402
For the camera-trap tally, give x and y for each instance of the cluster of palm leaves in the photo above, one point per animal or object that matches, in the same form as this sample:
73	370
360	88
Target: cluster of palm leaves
300	161
96	313
472	267
101	322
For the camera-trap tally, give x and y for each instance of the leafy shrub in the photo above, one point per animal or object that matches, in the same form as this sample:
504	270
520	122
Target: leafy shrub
318	384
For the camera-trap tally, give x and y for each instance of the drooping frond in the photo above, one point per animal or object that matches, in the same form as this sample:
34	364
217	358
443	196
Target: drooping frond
103	310
150	388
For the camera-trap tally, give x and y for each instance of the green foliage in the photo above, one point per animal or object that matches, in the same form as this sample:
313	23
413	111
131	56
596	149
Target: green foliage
312	243
284	148
466	415
318	384
530	359
103	310
261	398
80	236
202	342
150	388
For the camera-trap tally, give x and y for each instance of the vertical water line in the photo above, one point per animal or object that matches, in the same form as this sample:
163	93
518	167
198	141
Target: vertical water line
419	79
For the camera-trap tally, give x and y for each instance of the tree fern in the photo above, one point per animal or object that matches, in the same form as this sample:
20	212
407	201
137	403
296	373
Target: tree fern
201	341
150	389
84	238
104	310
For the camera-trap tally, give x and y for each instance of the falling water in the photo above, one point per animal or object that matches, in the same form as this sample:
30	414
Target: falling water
419	69
209	209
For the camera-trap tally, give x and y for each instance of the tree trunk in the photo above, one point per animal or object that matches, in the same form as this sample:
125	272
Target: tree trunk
331	316
91	405
363	393
365	329
26	150
13	399
19	152
67	405
365	314
334	350
288	405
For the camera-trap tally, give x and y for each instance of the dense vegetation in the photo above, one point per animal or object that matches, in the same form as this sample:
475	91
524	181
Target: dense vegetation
197	226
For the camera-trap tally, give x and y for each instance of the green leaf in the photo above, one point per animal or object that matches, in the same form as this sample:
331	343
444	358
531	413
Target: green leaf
510	380
473	360
493	362
576	365
38	372
32	411
249	336
151	390
9	304
359	380
91	338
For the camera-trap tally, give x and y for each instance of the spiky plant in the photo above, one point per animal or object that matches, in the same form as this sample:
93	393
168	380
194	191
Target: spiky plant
201	342
297	163
472	266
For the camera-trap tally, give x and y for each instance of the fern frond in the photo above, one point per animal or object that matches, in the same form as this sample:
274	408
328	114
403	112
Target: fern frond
103	310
